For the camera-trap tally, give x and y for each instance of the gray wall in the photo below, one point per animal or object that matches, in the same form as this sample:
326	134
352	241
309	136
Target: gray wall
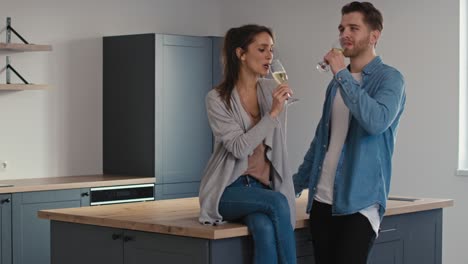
420	39
58	131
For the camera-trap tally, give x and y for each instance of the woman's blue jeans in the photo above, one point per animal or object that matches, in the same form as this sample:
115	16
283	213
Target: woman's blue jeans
267	215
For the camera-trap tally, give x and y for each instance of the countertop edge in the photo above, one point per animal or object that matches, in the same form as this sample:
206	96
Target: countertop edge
201	232
423	204
81	182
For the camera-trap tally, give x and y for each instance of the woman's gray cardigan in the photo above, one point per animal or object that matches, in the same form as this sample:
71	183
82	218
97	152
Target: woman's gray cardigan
235	140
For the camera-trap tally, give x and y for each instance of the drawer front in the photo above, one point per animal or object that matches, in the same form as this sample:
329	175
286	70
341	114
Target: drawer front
177	190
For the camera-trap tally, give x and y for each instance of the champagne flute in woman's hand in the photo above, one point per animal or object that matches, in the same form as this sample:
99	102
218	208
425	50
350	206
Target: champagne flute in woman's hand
279	74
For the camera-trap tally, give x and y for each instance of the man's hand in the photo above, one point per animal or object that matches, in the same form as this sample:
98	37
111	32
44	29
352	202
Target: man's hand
335	59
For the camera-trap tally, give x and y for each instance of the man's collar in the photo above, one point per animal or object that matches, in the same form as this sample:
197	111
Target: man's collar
370	67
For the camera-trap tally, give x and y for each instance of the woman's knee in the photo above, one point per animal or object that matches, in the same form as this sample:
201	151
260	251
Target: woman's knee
279	203
260	226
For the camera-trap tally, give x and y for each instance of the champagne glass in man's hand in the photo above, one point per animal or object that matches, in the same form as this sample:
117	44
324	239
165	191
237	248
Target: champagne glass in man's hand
323	65
279	74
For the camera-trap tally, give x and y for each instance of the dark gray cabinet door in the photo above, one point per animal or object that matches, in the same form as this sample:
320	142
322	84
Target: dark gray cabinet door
79	244
409	238
128	104
148	248
31	235
388	248
5	232
423	237
183	136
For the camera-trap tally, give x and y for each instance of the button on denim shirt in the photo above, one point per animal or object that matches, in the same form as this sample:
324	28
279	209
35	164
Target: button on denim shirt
365	166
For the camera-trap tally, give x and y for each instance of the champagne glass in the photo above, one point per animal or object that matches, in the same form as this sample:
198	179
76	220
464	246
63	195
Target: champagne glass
279	74
323	66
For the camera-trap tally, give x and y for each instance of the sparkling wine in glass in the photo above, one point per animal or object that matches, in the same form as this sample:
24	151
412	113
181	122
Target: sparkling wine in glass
323	66
279	74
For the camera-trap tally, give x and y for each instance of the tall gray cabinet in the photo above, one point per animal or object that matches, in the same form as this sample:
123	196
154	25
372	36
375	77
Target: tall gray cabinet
154	113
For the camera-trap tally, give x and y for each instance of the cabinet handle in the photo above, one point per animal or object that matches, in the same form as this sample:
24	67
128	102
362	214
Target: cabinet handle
85	194
128	238
116	236
4	201
387	230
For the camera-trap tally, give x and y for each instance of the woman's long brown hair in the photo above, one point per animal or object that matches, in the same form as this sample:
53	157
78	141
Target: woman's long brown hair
240	37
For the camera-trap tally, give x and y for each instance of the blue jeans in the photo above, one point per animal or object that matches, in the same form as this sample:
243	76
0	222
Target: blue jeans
267	215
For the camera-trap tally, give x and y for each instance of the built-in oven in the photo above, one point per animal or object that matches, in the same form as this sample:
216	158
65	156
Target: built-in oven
122	194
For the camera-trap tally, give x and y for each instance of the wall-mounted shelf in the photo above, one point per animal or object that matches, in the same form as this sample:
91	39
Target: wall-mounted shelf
19	47
24	47
20	87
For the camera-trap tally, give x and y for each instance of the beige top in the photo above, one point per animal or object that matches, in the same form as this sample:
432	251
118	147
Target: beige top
258	164
179	216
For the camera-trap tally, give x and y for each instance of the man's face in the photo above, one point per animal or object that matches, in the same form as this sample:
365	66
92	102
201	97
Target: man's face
355	36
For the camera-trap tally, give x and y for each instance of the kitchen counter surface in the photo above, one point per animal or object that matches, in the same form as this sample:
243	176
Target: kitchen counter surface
180	216
69	182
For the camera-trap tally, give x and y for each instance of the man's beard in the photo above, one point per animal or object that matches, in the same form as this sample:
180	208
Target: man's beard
358	49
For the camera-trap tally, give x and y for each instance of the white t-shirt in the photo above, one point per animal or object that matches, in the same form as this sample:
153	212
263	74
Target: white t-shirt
340	118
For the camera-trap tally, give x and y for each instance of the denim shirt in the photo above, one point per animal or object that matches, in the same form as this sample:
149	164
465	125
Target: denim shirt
365	166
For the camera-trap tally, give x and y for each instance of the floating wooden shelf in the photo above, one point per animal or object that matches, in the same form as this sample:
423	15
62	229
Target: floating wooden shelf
18	47
24	47
20	87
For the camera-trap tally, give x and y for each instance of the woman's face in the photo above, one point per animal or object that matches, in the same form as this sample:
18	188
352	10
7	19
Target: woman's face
259	54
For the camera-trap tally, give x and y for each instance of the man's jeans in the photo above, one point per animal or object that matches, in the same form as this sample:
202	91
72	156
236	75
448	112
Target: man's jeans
267	215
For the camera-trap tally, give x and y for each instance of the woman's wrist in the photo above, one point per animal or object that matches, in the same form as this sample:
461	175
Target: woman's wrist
274	114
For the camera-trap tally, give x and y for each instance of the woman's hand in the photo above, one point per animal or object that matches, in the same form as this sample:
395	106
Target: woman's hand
280	95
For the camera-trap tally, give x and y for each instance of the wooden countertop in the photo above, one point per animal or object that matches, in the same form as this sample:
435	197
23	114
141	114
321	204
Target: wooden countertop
180	216
69	182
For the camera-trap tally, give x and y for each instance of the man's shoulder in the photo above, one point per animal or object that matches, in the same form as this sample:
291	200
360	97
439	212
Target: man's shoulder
387	67
390	71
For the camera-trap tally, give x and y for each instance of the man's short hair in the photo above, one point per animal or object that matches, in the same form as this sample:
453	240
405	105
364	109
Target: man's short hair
372	16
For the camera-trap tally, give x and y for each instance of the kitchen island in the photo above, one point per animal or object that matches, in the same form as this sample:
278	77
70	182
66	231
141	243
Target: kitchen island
168	232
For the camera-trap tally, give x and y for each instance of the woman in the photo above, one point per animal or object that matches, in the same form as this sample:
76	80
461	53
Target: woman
247	178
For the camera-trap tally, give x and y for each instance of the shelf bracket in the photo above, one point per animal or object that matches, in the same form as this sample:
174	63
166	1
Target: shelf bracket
9	68
8	73
9	30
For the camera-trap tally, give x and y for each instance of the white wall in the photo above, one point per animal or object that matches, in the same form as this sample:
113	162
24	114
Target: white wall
421	40
58	131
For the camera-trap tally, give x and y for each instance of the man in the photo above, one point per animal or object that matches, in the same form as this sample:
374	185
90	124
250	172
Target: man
348	166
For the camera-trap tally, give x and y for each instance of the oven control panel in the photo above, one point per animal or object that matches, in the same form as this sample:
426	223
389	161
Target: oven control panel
122	194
